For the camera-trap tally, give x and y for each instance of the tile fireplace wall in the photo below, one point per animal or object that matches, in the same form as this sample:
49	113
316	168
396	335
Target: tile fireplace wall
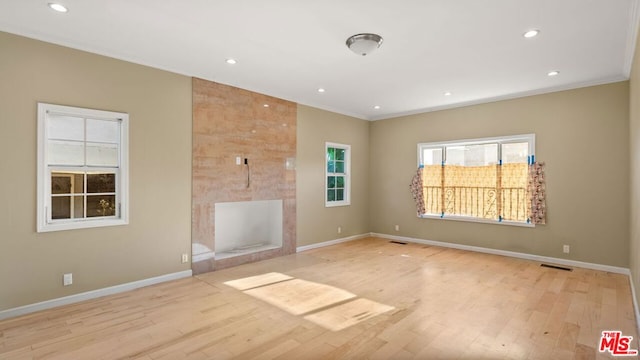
229	123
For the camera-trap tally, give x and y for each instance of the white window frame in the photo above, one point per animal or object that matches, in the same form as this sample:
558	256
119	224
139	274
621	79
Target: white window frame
347	175
530	138
44	221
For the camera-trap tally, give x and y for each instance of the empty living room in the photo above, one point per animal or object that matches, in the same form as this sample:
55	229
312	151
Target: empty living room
336	180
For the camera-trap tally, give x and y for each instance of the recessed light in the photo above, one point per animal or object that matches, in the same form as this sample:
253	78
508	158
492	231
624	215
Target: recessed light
531	33
321	90
231	61
448	93
266	105
58	7
553	73
377	107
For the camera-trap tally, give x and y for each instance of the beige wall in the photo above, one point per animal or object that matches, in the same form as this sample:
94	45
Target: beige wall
159	106
634	130
317	223
580	134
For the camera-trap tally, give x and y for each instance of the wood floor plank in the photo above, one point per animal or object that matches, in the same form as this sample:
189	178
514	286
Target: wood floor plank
446	304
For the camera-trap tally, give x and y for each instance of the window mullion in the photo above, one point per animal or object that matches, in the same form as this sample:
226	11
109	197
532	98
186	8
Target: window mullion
442	181
499	194
84	194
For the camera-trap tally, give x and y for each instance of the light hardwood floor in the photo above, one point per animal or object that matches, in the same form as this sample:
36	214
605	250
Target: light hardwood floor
447	304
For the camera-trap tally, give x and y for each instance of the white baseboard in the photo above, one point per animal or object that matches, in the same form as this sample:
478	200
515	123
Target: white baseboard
332	242
635	303
586	265
26	309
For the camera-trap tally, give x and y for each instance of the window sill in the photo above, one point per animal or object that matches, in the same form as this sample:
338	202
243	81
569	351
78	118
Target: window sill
71	225
337	203
477	220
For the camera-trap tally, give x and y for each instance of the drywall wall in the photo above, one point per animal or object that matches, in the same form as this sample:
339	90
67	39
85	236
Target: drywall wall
317	223
634	131
581	135
159	107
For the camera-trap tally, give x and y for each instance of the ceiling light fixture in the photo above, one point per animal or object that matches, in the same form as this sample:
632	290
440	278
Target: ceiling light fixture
448	93
377	107
364	44
531	33
266	105
321	90
553	73
231	61
58	7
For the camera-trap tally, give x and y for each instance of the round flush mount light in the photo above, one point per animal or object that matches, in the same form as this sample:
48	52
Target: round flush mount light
553	73
377	107
266	105
231	61
321	90
58	7
448	93
364	44
531	33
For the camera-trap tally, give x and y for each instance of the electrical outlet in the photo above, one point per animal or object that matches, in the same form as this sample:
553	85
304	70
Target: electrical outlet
67	279
397	227
566	249
185	258
339	229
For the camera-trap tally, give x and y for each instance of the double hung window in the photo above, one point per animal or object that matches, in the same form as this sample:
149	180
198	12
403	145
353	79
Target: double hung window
82	168
337	174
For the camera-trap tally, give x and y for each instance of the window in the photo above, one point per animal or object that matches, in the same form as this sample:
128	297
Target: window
477	180
338	167
82	168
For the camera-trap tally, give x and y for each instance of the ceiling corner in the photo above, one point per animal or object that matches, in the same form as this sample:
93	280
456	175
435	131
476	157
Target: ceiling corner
632	36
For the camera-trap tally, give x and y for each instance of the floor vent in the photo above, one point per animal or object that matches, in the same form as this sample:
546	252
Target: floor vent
556	267
398	242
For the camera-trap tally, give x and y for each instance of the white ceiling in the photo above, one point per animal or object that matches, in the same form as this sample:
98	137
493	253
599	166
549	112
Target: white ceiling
290	48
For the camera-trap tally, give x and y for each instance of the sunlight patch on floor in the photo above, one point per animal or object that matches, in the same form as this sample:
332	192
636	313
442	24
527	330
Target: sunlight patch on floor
258	280
300	296
337	309
348	314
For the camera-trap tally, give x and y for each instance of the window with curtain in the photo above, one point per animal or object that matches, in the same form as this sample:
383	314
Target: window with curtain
477	180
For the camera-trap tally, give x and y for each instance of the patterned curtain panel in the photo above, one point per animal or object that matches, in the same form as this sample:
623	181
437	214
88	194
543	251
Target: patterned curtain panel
537	193
416	188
